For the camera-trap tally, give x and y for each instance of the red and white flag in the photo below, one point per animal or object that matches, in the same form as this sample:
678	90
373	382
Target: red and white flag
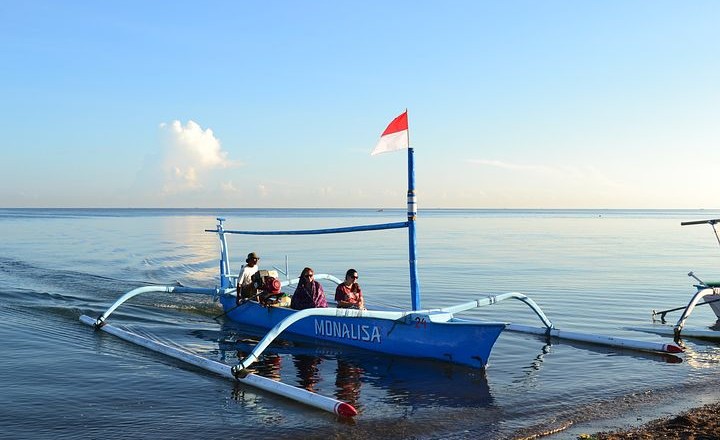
395	137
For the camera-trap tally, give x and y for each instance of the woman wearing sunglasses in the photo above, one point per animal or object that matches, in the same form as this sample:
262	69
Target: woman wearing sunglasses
348	293
309	293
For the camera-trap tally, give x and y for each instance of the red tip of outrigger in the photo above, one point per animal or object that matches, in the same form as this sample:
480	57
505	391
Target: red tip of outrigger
670	348
345	410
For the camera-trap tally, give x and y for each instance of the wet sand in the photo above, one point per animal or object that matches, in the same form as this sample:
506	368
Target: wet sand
688	413
701	423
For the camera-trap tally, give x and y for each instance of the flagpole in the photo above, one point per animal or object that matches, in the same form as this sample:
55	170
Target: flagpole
412	215
408	129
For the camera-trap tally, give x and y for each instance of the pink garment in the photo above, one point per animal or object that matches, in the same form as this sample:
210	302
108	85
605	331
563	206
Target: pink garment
352	294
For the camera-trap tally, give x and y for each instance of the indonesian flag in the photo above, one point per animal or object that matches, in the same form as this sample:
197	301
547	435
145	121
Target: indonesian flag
395	137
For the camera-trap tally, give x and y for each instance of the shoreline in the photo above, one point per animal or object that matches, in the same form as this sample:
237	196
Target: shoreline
700	423
688	412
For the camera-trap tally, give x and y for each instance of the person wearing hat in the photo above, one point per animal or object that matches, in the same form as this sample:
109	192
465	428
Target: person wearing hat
246	272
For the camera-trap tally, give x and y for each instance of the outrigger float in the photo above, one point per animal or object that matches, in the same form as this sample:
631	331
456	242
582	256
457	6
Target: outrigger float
417	333
707	292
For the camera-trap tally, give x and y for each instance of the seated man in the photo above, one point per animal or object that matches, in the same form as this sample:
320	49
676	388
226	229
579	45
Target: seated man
245	281
348	293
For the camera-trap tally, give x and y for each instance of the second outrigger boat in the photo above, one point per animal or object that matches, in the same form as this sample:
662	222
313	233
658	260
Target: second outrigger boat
707	293
421	333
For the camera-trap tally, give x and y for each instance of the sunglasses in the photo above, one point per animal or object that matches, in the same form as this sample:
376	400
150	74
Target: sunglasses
309	275
353	276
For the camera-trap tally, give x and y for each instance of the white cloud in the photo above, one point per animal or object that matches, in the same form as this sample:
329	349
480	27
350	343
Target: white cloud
263	190
510	166
545	186
326	191
229	187
189	153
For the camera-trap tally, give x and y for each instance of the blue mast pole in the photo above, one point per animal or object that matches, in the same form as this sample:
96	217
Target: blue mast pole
224	260
412	214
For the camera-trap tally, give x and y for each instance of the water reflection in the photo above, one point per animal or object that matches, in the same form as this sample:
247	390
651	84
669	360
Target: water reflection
531	371
307	370
268	366
347	381
708	357
358	377
348	375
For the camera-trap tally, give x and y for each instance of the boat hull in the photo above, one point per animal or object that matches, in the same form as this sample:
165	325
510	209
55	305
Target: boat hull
460	342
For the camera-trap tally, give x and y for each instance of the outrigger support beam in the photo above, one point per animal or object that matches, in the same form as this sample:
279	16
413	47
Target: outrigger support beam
490	300
182	289
166	289
690	307
700	287
550	330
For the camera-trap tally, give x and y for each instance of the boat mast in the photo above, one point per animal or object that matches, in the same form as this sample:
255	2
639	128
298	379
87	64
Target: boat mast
412	215
224	259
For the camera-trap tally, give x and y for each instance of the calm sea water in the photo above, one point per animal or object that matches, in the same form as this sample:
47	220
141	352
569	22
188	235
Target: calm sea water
592	271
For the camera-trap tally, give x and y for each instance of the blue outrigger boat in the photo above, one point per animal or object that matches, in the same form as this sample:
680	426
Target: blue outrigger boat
432	334
419	333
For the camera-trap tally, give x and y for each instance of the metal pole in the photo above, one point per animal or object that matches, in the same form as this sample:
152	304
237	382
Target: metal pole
224	259
412	215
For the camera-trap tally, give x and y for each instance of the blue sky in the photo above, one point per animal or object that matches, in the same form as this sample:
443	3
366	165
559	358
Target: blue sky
519	104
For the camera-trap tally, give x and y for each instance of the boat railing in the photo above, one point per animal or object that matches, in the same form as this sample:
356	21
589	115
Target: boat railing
318	276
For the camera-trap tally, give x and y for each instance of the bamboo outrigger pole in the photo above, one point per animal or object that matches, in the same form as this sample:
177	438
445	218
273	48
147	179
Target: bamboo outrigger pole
301	395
